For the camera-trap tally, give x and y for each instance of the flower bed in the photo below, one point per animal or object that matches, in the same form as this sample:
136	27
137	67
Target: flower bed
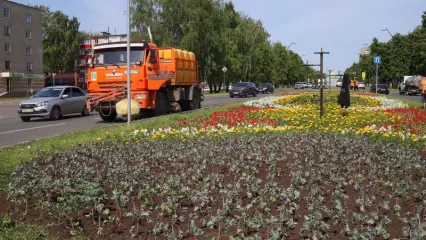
270	169
263	186
377	117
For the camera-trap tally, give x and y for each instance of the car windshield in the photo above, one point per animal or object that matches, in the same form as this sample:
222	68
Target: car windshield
263	85
118	56
48	92
242	84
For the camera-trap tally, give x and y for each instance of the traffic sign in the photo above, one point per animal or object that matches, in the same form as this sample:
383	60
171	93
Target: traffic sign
377	60
363	75
224	69
332	75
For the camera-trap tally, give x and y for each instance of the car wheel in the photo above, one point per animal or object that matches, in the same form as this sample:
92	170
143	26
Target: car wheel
55	114
25	119
85	111
231	96
255	94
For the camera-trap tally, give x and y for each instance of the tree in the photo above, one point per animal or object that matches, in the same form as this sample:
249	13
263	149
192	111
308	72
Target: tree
61	38
402	55
219	36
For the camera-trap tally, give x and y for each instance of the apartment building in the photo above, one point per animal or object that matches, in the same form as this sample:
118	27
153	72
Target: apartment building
21	56
364	51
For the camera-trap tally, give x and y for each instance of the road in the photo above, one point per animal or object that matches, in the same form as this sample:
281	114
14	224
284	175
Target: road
13	130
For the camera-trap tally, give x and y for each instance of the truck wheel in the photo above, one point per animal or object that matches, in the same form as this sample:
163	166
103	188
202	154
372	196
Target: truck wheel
108	116
161	104
193	104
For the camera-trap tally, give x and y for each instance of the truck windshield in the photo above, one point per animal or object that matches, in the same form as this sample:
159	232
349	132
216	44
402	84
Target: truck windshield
118	56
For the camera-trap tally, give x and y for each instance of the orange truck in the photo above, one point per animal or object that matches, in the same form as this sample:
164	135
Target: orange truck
163	79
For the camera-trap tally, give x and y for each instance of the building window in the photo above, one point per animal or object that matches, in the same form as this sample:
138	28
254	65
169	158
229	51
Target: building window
29	66
27	18
7	47
6	12
28	50
28	34
30	82
7	31
7	65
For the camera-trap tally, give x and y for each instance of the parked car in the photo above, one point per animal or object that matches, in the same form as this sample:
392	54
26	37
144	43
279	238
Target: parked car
298	85
265	88
305	85
361	85
339	84
243	89
381	88
53	103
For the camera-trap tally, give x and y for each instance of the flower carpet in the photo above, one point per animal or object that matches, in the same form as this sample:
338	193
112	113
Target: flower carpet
269	169
377	117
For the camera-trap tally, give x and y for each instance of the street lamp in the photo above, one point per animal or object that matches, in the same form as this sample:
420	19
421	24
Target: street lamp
290	45
387	30
286	55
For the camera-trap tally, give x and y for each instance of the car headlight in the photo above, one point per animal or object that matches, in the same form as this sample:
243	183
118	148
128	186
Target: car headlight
42	104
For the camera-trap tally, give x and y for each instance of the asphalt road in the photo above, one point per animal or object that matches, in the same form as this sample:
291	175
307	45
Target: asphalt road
13	130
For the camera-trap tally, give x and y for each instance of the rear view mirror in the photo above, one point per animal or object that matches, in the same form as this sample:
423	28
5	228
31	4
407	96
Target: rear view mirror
65	96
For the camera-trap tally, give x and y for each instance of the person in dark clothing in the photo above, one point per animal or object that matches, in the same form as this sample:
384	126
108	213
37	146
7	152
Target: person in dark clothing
344	97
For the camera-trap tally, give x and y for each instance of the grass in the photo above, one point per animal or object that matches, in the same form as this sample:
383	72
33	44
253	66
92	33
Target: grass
10	100
410	103
11	230
12	156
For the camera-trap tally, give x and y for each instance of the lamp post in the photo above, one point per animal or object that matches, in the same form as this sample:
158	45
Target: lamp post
387	30
286	54
129	108
53	75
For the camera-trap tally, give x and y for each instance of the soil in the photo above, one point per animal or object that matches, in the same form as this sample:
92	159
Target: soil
120	229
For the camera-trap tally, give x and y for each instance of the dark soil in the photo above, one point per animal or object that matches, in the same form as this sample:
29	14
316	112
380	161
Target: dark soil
213	179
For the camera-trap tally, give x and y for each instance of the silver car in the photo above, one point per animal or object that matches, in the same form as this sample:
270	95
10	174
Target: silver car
53	103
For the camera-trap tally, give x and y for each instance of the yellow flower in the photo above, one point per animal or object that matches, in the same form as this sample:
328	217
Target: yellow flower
98	139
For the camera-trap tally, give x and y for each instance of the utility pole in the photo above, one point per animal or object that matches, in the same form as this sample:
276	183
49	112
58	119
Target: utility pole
129	108
321	65
329	80
322	80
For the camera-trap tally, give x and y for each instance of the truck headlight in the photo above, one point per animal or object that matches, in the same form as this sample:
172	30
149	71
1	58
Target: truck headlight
140	96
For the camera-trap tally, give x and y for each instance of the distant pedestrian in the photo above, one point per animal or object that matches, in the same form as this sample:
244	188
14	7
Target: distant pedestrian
356	85
344	97
352	84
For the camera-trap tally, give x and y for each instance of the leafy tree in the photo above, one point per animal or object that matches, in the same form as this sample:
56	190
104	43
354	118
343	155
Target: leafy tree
61	38
219	36
402	55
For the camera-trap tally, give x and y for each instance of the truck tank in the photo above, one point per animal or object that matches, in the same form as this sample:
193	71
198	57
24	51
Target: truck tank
414	81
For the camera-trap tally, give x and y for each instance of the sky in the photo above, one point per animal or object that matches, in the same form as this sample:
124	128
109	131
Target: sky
340	27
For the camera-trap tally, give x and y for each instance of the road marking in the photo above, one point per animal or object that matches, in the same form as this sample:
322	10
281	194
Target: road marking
26	129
